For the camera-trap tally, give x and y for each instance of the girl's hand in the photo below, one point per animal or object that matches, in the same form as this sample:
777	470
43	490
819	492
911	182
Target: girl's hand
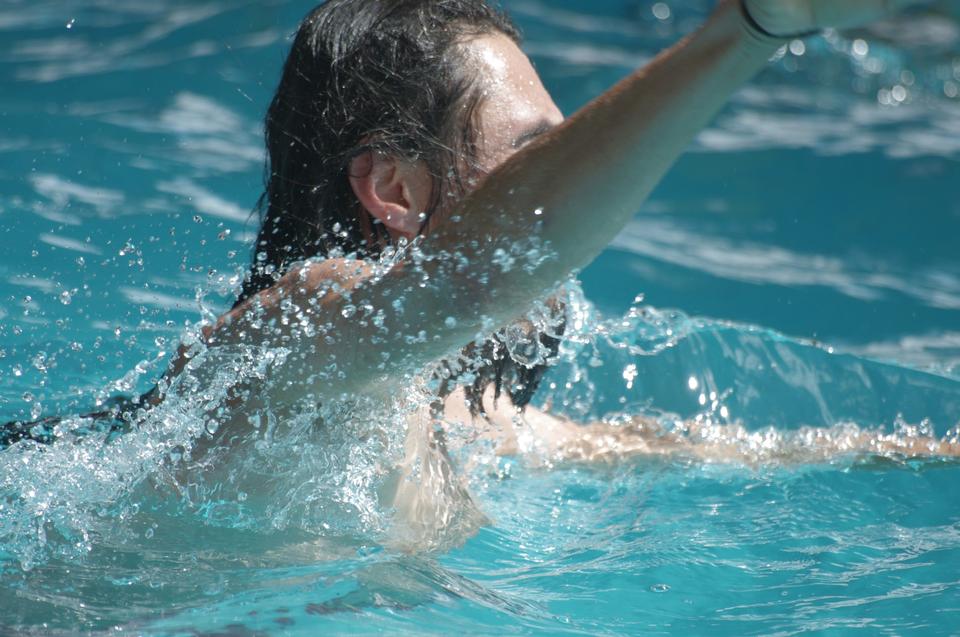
786	18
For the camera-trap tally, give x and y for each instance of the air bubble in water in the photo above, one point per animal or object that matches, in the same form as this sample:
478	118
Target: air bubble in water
65	297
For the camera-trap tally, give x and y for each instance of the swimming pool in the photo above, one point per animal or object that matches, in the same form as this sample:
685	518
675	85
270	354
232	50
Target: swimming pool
808	243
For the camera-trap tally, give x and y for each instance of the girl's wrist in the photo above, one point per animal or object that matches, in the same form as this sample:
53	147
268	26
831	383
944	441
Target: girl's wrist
759	31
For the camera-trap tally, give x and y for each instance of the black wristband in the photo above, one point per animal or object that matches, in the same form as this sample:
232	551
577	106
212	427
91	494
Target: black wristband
755	26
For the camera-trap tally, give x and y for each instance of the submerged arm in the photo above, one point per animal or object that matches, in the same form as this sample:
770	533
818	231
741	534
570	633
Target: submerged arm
543	438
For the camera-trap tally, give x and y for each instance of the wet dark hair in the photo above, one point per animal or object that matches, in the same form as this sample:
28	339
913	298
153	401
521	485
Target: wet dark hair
367	75
364	75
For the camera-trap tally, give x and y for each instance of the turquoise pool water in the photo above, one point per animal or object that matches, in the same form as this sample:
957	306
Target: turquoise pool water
799	267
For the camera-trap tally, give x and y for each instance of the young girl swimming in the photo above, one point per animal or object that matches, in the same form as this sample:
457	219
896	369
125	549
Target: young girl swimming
423	191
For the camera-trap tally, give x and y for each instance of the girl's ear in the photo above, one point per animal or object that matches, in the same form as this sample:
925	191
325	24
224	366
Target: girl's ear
394	191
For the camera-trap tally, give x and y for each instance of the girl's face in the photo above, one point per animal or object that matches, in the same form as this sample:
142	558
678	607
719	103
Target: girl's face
515	107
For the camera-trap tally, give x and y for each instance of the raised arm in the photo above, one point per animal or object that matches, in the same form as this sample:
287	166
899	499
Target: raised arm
547	211
575	188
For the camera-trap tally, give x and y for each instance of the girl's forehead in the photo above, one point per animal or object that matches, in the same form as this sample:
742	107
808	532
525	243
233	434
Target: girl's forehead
515	106
501	65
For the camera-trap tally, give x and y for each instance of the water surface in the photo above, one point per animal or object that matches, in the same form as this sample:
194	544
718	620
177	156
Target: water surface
798	268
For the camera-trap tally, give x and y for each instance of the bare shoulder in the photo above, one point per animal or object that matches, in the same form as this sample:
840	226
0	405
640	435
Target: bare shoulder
325	280
333	276
317	282
344	271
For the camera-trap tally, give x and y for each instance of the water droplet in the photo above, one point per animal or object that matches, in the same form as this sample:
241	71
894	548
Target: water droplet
860	48
450	322
661	11
693	383
630	374
72	22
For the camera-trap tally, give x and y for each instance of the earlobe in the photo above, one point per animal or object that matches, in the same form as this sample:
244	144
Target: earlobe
382	185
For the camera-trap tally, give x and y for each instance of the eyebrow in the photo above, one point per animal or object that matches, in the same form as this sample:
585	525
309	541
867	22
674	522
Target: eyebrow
541	127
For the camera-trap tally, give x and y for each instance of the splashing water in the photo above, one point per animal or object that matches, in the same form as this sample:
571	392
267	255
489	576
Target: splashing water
803	489
307	486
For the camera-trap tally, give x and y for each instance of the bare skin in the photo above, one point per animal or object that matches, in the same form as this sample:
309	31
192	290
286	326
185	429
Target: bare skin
549	440
545	179
539	177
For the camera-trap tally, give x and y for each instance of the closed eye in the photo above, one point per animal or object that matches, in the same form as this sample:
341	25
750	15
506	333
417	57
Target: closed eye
541	127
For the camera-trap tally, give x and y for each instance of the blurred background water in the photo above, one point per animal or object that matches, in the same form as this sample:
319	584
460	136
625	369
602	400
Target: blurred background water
799	266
